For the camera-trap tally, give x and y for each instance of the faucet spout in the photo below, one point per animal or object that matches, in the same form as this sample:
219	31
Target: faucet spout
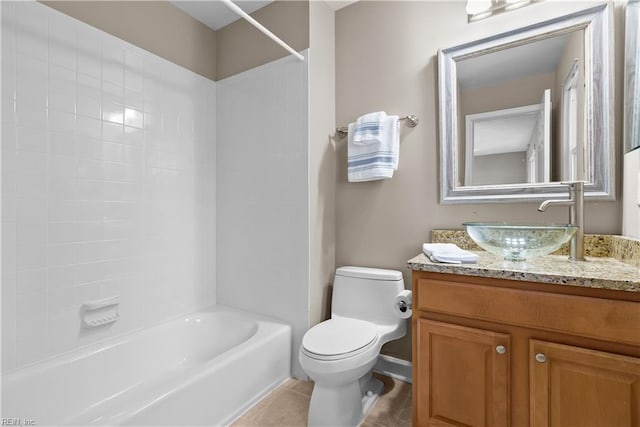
576	216
544	205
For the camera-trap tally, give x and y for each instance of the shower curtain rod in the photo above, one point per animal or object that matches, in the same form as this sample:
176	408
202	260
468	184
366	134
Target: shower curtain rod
262	28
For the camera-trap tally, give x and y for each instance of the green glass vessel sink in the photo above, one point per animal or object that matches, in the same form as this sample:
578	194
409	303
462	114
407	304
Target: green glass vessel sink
518	242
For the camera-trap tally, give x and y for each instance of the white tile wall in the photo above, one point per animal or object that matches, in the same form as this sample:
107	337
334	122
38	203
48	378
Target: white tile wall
262	193
108	183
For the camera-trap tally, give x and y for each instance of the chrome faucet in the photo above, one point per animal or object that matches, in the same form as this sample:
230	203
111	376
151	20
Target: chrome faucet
576	216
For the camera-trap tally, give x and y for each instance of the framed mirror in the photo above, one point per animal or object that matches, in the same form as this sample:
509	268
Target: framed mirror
632	76
523	111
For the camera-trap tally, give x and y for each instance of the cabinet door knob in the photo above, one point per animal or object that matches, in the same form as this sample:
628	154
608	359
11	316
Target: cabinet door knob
501	349
541	358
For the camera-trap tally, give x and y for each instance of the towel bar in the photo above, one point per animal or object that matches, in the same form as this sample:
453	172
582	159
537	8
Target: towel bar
412	121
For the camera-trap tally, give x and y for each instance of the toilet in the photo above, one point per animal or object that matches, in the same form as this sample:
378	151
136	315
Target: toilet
339	354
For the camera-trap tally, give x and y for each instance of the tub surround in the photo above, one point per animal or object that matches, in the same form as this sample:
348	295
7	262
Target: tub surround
105	191
269	214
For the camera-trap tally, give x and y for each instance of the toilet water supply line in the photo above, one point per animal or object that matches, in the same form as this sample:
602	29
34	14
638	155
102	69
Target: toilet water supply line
262	28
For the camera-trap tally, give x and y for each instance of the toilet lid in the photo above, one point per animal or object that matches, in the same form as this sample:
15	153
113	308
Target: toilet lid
339	336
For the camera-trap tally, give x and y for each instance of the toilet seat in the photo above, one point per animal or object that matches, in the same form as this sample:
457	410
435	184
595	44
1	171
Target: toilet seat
338	338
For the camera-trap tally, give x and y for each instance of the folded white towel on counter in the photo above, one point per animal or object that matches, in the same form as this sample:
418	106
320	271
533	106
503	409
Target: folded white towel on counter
448	253
374	160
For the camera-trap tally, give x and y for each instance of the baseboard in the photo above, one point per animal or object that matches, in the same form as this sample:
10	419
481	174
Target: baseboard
394	367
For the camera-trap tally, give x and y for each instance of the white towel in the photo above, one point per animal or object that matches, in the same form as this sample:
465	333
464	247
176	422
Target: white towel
449	253
374	160
369	128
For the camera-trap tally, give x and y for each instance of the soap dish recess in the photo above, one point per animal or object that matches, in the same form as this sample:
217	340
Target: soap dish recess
99	312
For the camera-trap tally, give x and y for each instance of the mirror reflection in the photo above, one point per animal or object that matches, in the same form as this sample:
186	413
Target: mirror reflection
521	113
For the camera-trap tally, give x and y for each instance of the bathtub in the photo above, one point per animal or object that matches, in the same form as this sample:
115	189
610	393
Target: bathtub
204	368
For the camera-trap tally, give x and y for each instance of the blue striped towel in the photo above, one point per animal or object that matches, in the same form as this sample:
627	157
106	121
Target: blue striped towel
374	160
368	128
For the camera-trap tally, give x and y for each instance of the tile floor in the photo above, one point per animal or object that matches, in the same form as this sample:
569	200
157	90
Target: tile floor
287	406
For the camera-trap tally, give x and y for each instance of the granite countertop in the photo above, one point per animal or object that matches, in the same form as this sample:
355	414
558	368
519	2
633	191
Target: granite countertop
596	272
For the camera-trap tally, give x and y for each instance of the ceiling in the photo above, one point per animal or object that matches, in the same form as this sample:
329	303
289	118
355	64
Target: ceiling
513	63
504	135
215	15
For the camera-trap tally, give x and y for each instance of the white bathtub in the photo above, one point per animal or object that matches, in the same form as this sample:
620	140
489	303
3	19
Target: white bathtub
204	368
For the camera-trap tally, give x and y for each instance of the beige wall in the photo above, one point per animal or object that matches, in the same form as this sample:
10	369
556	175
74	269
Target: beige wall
386	60
510	94
165	30
241	47
321	159
156	26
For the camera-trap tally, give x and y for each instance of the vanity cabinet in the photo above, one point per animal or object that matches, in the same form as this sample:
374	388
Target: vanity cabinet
573	386
494	352
466	376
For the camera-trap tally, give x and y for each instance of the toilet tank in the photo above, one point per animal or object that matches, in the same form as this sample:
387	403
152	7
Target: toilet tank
366	293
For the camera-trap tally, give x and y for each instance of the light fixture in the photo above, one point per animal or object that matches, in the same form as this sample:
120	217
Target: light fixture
515	4
480	9
475	7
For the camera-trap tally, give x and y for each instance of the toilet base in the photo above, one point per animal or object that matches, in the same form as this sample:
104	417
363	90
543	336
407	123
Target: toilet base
372	392
344	405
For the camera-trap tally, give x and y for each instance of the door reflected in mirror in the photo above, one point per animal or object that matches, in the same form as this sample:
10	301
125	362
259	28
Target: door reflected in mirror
509	146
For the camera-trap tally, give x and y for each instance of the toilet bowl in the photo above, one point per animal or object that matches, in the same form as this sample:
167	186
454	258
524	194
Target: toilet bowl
339	354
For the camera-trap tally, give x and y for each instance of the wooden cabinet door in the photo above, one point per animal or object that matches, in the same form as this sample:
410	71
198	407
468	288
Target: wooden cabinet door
462	376
572	386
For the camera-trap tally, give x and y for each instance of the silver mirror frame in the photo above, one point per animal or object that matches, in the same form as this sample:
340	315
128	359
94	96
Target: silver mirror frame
631	120
597	25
